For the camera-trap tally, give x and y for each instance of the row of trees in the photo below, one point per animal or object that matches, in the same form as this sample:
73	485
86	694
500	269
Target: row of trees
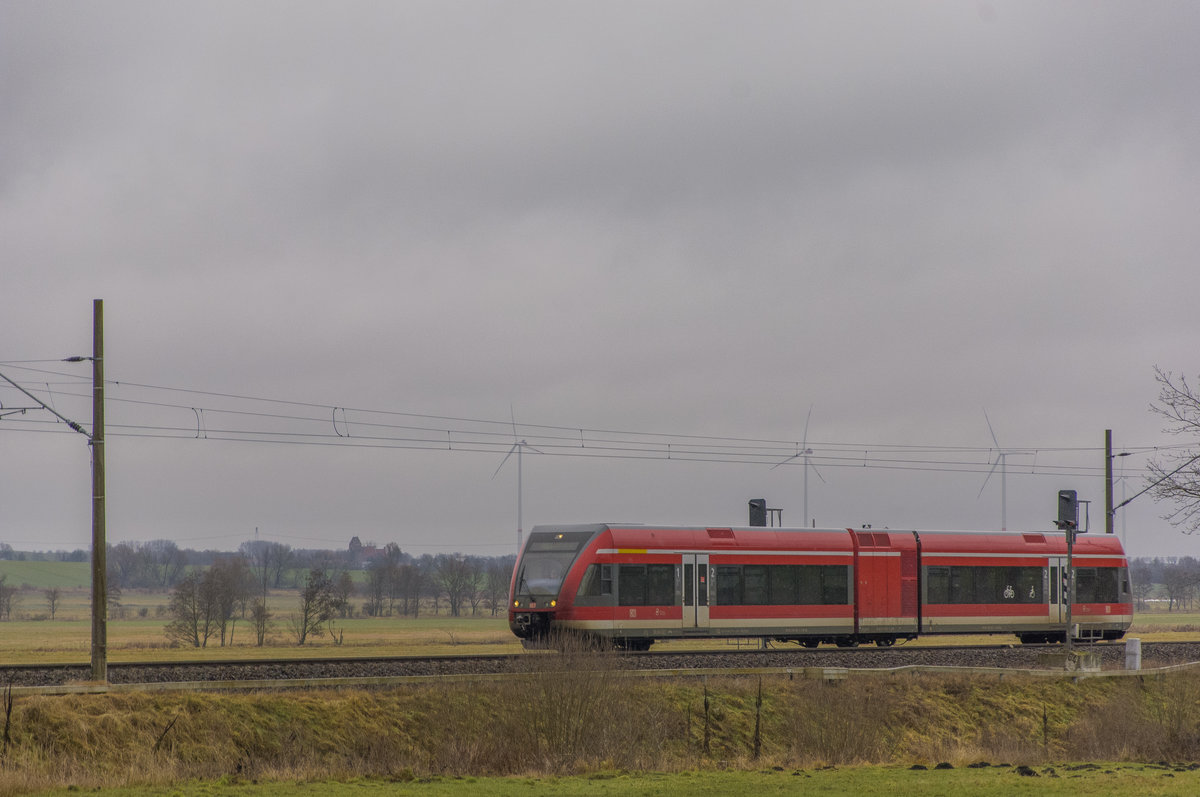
207	604
162	564
1180	580
396	581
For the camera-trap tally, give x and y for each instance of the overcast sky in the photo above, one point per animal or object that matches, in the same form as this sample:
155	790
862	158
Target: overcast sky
356	241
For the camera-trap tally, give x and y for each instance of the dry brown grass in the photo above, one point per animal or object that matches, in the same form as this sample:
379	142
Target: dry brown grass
573	711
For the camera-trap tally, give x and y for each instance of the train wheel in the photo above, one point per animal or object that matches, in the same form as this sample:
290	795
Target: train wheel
639	645
810	643
885	642
847	642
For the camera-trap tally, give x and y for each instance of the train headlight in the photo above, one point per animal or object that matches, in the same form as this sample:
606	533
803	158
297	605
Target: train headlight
516	604
553	604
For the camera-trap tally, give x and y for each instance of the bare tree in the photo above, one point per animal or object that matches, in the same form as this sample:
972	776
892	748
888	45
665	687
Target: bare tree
269	561
163	561
8	597
53	597
318	606
499	573
391	562
1175	475
1142	576
260	616
410	580
343	591
1181	582
456	578
193	612
475	591
229	580
376	591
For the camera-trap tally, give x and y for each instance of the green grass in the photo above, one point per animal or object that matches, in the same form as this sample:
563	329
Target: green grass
1066	780
41	575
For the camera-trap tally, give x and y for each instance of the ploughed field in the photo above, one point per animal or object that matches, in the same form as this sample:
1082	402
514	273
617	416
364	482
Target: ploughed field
1016	656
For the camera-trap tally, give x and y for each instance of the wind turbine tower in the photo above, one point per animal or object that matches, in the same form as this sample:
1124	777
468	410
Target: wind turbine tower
805	452
518	446
1002	455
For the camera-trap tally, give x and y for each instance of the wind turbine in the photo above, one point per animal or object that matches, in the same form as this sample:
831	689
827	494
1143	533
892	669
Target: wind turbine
804	452
1001	460
519	446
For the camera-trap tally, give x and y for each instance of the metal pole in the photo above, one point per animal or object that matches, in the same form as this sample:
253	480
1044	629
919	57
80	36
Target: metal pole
1070	589
1003	491
1108	482
99	552
520	524
806	521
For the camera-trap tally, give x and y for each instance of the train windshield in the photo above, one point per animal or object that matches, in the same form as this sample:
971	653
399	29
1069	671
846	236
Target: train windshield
547	557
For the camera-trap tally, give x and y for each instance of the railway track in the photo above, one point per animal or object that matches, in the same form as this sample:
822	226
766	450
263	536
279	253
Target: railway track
1112	654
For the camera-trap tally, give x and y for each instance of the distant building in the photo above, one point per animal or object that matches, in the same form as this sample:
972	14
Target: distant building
362	555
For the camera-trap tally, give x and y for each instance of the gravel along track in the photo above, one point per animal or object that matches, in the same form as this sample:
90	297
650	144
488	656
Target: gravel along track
1157	654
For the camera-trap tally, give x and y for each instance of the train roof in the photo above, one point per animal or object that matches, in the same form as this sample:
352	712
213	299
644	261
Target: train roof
633	534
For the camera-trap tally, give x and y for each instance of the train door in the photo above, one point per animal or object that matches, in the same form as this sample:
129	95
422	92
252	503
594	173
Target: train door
1057	589
695	591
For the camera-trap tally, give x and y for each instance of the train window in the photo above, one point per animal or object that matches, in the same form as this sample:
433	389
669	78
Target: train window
754	585
811	588
989	585
784	584
729	584
631	585
962	585
1096	585
937	584
646	585
974	585
545	561
1027	581
835	584
781	585
596	581
660	585
1085	584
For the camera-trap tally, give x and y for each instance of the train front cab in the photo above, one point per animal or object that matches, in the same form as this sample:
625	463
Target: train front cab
535	597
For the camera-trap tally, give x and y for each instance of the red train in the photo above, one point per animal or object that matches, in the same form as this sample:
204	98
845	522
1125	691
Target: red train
637	584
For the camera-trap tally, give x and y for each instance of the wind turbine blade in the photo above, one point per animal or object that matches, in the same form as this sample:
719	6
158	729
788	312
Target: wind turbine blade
807	418
786	461
506	456
513	414
993	433
989	475
819	476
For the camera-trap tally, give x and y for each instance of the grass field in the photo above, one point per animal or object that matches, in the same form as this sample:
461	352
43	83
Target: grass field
1050	781
40	575
137	634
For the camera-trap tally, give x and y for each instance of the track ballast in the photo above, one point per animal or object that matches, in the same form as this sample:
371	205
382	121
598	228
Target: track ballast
1154	654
